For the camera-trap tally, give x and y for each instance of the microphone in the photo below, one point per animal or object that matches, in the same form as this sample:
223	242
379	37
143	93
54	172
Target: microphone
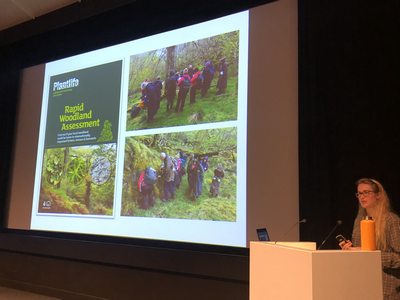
304	220
338	223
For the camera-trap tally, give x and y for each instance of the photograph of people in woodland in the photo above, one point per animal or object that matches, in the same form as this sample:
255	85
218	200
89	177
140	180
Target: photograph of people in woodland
191	83
184	175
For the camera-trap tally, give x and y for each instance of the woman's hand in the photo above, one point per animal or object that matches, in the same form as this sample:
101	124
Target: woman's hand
346	245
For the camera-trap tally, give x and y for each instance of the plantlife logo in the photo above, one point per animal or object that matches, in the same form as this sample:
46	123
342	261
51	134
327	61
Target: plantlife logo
60	87
70	83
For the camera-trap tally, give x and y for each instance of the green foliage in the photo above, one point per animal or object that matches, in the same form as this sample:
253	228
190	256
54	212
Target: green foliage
76	187
203	208
148	65
61	202
229	44
140	155
106	133
77	169
54	166
211	48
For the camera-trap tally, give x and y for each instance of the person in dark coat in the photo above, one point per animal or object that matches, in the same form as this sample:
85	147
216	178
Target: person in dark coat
194	171
204	166
151	97
170	90
145	184
191	71
168	170
222	76
159	86
208	75
216	181
158	82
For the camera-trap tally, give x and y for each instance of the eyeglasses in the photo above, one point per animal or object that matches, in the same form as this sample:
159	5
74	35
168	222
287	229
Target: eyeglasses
364	193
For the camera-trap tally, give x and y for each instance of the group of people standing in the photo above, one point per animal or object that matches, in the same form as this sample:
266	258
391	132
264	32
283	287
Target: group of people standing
170	175
173	169
188	81
179	84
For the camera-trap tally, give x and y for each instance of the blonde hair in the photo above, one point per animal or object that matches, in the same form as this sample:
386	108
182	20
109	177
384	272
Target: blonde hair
383	210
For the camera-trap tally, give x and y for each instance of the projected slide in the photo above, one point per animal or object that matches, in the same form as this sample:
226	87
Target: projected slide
147	139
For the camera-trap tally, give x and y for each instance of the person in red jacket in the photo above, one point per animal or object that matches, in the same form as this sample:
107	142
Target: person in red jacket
196	83
184	86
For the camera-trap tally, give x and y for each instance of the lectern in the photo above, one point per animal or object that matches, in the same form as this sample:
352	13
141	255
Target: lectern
297	271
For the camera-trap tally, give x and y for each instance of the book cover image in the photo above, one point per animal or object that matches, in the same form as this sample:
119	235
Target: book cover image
80	145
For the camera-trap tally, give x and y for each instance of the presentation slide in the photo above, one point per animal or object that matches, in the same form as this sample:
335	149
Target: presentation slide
147	139
188	135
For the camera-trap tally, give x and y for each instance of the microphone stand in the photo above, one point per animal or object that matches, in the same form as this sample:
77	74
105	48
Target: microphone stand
294	225
338	222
